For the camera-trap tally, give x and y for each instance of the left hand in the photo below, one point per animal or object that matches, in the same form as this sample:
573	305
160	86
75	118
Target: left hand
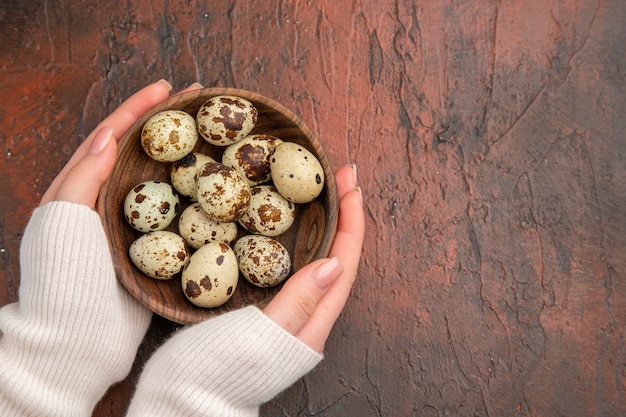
81	178
75	330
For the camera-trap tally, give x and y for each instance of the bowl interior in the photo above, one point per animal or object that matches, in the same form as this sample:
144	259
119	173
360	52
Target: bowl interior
309	238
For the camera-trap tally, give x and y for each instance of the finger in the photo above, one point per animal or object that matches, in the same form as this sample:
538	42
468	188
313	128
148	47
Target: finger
351	223
296	301
119	121
83	181
347	248
130	110
346	179
135	106
194	86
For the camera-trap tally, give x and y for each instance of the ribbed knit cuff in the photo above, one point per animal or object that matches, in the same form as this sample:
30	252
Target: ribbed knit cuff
75	330
226	366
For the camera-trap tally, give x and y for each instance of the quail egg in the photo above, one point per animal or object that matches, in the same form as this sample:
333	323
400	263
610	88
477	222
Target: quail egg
169	135
296	173
183	174
222	193
224	120
210	277
151	206
269	213
197	228
161	254
263	261
251	157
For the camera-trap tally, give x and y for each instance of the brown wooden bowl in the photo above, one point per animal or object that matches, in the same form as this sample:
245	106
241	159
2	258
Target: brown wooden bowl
309	238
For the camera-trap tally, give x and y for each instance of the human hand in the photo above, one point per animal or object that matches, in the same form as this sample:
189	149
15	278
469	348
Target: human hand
239	360
311	300
75	330
253	355
80	180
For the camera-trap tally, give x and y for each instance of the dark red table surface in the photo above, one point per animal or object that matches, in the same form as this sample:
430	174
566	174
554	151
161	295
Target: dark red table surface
490	138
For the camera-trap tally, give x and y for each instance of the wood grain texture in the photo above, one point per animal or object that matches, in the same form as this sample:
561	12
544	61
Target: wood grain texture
310	236
491	147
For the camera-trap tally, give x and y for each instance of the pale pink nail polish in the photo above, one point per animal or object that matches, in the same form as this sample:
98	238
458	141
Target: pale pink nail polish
328	272
165	83
360	194
101	140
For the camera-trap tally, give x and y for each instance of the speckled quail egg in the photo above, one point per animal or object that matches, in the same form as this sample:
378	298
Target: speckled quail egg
183	174
224	120
169	135
161	254
263	261
210	277
197	228
251	157
269	213
151	206
222	193
296	172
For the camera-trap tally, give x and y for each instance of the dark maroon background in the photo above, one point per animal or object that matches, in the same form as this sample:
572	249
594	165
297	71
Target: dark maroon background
490	140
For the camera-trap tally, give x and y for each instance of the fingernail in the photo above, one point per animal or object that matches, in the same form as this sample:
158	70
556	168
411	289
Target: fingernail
165	83
328	272
360	194
354	174
196	85
101	140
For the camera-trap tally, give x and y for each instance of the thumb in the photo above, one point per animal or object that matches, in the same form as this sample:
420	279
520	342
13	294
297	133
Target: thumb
294	304
83	181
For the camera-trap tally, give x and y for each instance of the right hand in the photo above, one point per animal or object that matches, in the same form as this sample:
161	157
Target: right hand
311	300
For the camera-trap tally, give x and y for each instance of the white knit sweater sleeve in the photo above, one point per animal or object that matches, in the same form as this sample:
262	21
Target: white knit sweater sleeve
75	331
227	366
